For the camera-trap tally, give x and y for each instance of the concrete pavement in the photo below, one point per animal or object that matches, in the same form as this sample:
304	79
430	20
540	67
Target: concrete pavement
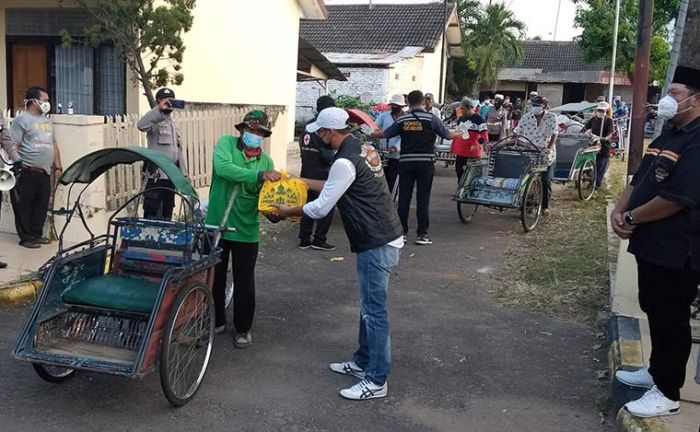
460	361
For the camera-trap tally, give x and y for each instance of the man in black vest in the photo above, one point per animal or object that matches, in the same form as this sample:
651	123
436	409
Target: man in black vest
316	161
418	130
356	184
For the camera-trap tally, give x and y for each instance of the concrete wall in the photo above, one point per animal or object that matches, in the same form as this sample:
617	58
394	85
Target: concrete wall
360	80
406	76
553	92
432	73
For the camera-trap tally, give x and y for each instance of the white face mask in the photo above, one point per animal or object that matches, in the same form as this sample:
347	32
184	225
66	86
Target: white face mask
668	107
599	114
537	110
45	107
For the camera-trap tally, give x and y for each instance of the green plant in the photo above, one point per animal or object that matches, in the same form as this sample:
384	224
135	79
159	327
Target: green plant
349	101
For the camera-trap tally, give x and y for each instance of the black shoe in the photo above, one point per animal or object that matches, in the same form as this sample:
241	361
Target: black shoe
424	240
304	244
322	246
30	244
3	265
43	241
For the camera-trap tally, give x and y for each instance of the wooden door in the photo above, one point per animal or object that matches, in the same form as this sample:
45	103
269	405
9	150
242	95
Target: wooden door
28	70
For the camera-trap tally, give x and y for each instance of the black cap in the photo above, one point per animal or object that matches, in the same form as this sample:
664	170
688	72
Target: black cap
538	100
688	76
324	102
164	93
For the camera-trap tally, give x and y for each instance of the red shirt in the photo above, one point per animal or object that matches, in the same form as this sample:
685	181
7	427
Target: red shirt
470	147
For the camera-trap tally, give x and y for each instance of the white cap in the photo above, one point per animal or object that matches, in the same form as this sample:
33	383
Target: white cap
329	118
534	93
498	96
398	99
603	106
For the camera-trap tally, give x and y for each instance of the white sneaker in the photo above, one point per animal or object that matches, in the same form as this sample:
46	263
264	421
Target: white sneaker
365	389
348	368
243	340
220	329
640	378
653	404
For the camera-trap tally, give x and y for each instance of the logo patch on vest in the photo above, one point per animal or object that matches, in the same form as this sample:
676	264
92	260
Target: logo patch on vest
413	126
371	157
307	139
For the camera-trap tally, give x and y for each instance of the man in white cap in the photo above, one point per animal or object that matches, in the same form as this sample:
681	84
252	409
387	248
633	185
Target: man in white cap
496	119
393	145
601	126
356	184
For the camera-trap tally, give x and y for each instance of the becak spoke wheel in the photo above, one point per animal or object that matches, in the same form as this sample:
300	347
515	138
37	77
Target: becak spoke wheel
53	374
586	180
187	343
531	206
466	211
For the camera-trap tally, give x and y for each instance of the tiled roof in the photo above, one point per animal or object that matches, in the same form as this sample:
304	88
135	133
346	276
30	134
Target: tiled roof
385	28
554	56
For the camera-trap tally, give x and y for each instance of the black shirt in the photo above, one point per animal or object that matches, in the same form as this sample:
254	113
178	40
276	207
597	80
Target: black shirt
316	160
670	169
594	126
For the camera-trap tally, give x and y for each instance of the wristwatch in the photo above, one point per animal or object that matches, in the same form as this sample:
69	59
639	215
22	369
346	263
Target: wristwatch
628	218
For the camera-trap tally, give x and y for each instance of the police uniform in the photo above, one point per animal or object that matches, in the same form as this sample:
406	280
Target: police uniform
316	162
668	250
163	136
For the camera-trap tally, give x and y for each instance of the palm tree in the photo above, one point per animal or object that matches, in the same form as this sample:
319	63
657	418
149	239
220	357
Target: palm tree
494	35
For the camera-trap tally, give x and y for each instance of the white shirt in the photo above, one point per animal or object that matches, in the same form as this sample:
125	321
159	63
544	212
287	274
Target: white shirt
340	177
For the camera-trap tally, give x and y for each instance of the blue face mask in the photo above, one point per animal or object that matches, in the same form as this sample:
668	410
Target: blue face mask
251	140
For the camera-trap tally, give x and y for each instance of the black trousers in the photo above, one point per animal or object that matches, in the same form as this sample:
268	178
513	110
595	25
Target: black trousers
665	295
159	203
546	177
30	203
306	226
493	138
244	257
391	171
419	174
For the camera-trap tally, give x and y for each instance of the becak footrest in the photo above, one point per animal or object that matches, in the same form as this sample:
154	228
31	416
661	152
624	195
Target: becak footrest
114	292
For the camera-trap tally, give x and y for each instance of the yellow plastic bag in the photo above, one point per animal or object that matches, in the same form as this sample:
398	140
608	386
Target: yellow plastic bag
288	191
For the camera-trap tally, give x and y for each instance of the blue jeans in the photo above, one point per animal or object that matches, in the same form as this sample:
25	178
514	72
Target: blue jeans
373	271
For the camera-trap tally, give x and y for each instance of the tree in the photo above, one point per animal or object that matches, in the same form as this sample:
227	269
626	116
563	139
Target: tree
147	34
461	72
597	19
494	34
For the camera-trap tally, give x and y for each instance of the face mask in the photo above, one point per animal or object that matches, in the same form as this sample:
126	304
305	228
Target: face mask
498	104
251	140
45	107
537	110
668	107
600	114
396	109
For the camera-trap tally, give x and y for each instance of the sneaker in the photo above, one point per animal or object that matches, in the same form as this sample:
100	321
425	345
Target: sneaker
304	244
44	241
639	378
322	246
348	368
653	404
30	244
405	238
220	329
243	340
423	239
365	389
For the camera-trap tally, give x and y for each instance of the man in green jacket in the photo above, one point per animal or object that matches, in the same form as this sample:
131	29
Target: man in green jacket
240	168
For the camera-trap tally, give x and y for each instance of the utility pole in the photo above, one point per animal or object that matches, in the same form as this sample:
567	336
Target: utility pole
614	52
444	54
556	23
673	62
640	84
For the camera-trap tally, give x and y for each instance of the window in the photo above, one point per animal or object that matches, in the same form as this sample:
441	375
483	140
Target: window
112	79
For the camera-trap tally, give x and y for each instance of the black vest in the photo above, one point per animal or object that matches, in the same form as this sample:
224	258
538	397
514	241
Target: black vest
316	160
368	214
417	136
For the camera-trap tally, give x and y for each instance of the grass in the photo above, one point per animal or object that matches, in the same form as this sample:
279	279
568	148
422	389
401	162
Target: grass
561	269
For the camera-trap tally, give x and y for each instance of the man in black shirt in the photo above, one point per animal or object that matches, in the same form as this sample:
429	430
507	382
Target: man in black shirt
316	161
601	126
658	212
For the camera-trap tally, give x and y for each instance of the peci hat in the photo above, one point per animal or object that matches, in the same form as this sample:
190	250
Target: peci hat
164	93
537	100
256	120
398	99
498	96
688	76
329	118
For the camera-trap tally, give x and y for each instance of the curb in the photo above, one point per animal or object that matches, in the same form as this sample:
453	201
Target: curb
625	353
19	292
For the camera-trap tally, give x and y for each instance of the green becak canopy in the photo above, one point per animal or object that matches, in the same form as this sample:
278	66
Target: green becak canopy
89	167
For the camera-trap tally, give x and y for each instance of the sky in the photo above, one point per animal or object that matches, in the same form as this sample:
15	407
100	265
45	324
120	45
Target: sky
538	15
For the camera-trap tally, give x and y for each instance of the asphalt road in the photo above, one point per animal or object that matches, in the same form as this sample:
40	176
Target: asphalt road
460	361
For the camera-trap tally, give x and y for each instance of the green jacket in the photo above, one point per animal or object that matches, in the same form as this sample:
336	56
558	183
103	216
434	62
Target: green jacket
235	173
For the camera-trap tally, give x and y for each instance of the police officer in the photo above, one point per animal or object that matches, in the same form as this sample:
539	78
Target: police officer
418	130
316	161
658	212
163	136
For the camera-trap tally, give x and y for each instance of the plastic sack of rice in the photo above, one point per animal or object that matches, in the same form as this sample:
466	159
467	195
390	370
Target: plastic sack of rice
289	191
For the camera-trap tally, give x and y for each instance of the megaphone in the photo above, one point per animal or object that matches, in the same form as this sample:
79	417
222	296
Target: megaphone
7	179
